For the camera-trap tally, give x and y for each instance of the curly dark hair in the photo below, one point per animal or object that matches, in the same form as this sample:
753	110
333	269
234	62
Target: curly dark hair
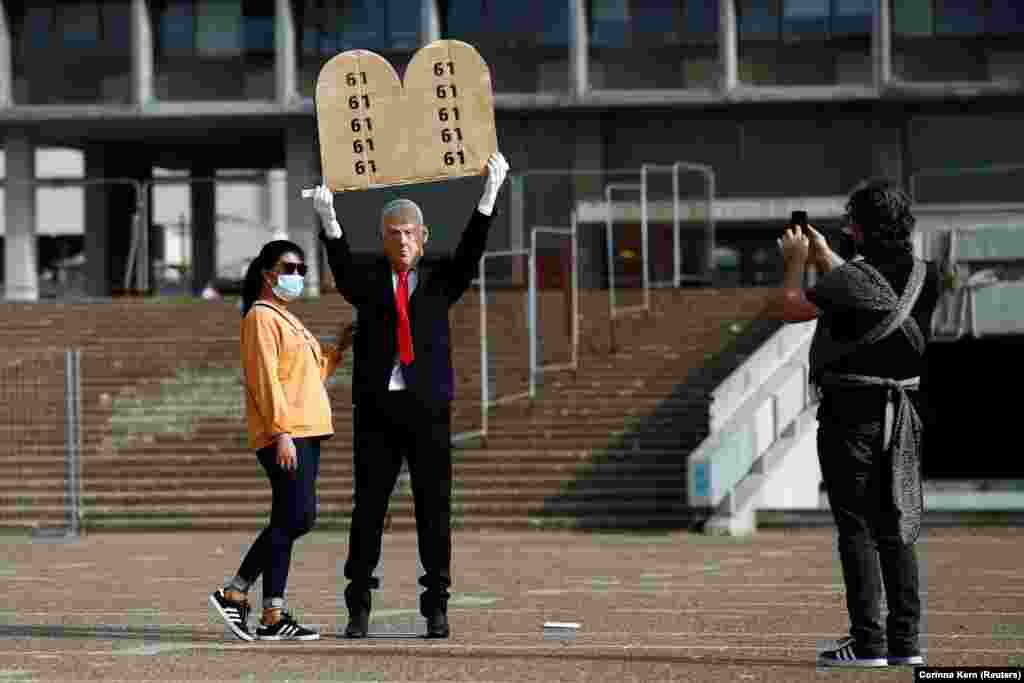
882	210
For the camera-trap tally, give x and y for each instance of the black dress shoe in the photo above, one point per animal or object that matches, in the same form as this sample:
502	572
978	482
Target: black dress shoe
437	624
358	601
358	624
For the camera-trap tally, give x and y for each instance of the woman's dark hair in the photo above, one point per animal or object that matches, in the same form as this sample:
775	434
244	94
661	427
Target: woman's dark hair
882	210
267	259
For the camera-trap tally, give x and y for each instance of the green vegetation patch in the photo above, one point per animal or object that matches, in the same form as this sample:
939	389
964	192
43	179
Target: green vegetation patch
176	405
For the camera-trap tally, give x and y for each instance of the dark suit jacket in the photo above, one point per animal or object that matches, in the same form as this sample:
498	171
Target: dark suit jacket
371	291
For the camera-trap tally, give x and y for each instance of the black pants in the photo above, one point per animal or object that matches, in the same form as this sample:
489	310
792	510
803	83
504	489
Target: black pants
292	514
385	432
858	479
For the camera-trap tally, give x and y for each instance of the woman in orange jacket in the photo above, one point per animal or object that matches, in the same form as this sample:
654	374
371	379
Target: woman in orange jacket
288	413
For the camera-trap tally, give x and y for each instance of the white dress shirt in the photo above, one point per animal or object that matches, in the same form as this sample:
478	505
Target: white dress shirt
397	382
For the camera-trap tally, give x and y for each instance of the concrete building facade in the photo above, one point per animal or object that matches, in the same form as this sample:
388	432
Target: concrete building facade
791	102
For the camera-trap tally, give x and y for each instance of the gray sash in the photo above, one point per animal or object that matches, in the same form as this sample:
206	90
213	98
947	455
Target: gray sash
826	349
903	429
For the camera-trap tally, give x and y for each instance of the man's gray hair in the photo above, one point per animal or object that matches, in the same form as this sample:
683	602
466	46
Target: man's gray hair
400	206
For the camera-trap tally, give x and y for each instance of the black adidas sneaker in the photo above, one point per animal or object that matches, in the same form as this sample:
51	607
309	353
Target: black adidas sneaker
234	614
847	653
285	629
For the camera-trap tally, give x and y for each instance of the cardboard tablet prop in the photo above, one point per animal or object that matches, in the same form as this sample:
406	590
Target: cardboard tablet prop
377	132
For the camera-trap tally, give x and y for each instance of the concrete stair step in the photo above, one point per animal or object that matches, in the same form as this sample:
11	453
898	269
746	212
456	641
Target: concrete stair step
460	508
401	524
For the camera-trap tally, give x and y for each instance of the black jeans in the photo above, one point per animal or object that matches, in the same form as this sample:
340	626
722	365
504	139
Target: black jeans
385	432
858	479
292	514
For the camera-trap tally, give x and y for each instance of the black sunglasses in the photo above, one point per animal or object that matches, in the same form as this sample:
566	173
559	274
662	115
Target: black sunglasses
293	268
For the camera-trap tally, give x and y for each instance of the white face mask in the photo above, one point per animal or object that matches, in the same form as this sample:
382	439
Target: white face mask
289	287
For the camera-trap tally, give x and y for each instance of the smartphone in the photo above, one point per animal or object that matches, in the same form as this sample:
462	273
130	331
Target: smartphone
798	218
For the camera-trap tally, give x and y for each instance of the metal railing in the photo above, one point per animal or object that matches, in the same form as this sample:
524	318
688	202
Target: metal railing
613	310
709	237
536	366
486	400
40	419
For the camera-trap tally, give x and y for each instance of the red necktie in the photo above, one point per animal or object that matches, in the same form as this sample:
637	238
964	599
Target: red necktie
404	331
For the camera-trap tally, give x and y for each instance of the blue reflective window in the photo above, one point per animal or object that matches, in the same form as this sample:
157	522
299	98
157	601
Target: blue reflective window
962	17
177	28
404	24
1005	16
913	17
652	18
702	17
219	27
259	34
362	26
327	28
805	17
649	23
609	23
38	24
117	25
319	28
258	21
852	16
758	18
500	22
80	25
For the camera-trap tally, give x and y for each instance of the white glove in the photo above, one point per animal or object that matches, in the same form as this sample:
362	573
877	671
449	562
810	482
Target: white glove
323	203
497	169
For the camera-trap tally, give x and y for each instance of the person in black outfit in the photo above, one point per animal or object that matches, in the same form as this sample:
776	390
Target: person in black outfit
867	358
402	388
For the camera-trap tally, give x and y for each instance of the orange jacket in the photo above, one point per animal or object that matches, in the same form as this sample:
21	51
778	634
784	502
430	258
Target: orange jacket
284	369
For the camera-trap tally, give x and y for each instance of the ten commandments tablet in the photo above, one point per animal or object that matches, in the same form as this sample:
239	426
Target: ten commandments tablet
374	132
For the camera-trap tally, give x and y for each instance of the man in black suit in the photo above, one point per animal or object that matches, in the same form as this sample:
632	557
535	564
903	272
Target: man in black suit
402	388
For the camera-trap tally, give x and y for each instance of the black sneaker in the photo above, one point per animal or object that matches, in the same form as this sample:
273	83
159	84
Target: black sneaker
359	601
904	657
285	629
358	624
234	614
846	653
437	624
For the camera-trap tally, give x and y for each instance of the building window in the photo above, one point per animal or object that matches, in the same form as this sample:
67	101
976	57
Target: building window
64	53
525	43
804	42
392	28
958	40
214	49
650	44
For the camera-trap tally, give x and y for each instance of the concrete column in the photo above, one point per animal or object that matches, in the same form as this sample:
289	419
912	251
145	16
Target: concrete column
302	165
110	208
728	46
142	53
21	268
881	44
6	72
285	60
430	22
276	204
579	49
203	199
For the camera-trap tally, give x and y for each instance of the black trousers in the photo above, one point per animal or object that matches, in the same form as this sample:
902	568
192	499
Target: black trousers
401	426
292	514
858	479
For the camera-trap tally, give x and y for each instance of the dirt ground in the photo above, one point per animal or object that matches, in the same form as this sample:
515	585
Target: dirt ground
651	607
